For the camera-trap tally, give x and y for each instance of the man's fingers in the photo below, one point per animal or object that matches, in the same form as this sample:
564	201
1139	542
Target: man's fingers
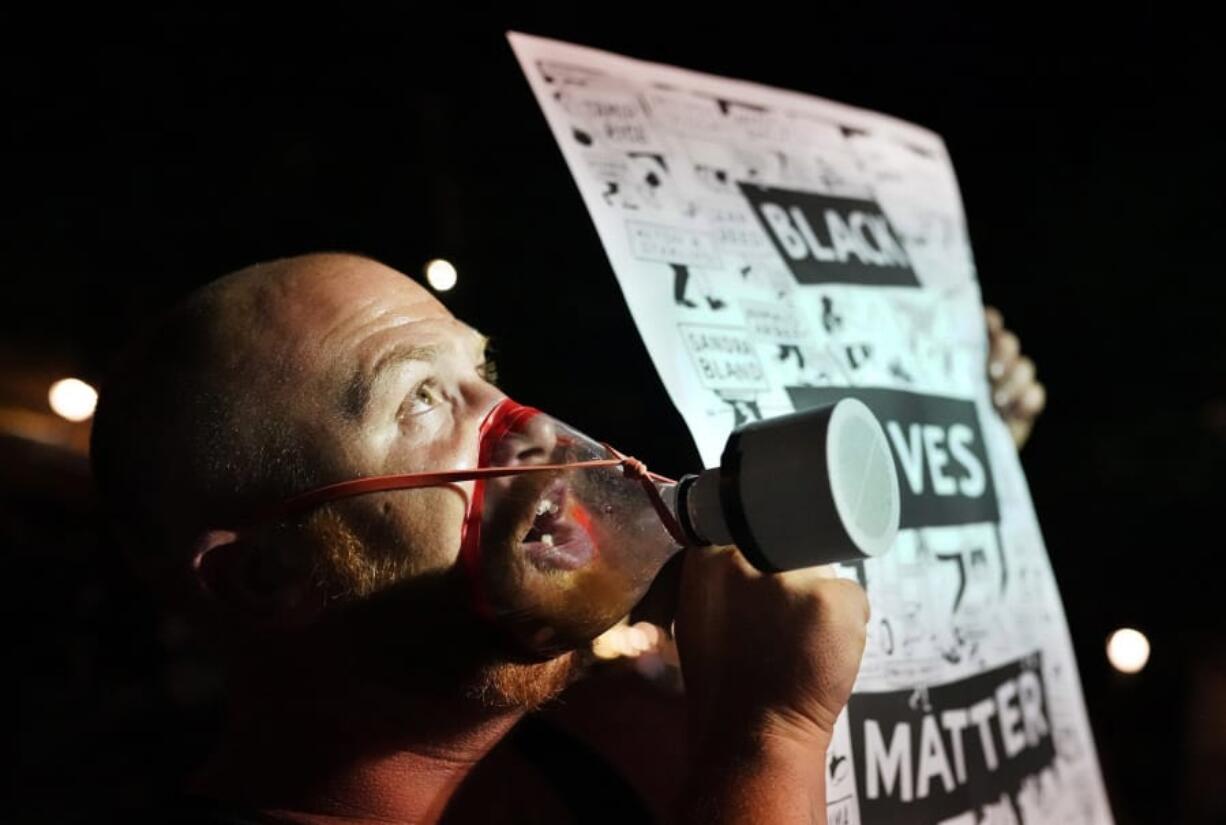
721	566
808	576
1031	401
1016	381
734	559
995	321
852	600
1003	351
1019	429
724	560
843	596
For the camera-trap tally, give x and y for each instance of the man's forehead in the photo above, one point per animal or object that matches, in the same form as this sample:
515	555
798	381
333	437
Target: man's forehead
323	306
328	293
436	332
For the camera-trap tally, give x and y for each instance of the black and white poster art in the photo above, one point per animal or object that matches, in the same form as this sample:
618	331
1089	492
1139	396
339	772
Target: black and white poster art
780	251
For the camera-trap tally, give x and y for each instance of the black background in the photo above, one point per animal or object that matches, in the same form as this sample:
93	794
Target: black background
144	155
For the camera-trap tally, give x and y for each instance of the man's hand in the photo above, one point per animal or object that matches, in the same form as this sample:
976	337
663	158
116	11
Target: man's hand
769	662
1016	394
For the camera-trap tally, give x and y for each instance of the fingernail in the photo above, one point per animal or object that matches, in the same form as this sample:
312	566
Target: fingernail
996	369
999	398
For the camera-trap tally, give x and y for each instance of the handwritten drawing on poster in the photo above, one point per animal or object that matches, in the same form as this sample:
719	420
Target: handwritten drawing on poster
779	251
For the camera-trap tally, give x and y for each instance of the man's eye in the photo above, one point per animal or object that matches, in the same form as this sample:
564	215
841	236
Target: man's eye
423	398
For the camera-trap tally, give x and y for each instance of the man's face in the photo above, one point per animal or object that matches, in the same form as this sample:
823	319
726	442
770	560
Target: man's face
382	379
378	378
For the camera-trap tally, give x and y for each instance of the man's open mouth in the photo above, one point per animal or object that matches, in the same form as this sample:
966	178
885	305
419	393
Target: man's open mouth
557	540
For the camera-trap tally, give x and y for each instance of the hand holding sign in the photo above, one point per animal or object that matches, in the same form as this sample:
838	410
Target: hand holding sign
1018	396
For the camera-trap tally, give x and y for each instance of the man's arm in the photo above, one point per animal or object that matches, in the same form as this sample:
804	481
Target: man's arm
769	662
772	779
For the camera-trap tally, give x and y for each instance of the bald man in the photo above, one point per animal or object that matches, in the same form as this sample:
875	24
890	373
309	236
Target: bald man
364	687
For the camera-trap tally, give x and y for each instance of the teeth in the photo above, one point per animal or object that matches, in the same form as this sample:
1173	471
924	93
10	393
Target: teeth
547	539
544	507
554	508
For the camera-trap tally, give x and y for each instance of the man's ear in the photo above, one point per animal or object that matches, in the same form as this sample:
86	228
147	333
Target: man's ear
248	578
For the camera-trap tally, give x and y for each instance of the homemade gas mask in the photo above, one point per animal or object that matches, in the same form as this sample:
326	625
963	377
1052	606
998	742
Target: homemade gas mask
563	535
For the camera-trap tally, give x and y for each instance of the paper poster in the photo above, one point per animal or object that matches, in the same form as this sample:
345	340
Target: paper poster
779	251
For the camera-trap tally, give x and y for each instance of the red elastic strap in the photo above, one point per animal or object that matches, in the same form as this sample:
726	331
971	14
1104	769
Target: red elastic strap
503	417
633	468
506	415
410	481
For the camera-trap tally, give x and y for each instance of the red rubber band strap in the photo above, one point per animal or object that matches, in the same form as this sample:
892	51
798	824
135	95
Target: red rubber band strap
410	481
505	416
502	418
633	468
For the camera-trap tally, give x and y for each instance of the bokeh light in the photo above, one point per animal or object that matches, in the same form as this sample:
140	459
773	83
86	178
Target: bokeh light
441	275
1128	650
72	399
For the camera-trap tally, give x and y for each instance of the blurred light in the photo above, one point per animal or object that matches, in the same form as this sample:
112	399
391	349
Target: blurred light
72	399
441	274
1128	650
624	640
611	644
636	640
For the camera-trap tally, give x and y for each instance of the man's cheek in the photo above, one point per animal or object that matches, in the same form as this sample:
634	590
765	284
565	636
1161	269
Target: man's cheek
432	527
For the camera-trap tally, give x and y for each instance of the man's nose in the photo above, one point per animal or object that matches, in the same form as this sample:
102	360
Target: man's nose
534	441
531	441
